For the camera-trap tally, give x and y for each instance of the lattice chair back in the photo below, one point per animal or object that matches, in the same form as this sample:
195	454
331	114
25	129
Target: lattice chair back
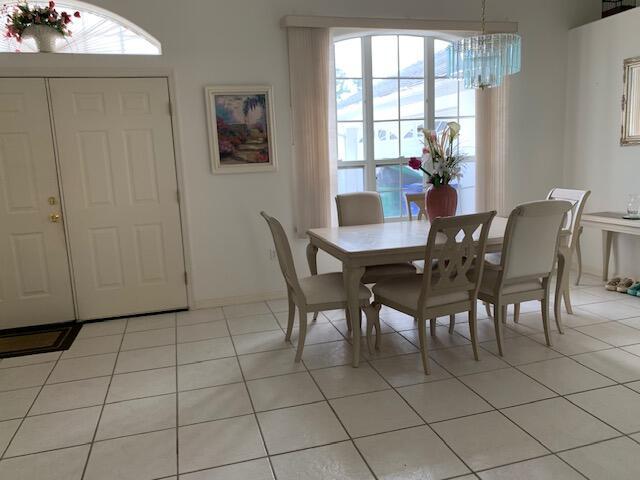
573	217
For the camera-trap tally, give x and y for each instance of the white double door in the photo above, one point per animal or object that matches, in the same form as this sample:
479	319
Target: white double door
123	250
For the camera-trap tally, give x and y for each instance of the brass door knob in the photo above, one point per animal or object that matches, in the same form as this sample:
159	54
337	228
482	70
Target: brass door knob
54	217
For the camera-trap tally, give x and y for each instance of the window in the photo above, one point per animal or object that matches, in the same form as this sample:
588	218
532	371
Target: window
383	84
97	31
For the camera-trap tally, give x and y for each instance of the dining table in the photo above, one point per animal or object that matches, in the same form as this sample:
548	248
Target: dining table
358	247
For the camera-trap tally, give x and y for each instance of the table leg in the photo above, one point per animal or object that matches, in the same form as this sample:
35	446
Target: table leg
607	243
560	284
352	277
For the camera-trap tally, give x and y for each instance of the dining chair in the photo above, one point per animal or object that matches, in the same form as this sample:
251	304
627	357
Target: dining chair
450	283
316	293
569	240
523	268
365	208
418	200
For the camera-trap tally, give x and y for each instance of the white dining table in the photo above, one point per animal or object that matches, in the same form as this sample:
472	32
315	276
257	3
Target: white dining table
358	247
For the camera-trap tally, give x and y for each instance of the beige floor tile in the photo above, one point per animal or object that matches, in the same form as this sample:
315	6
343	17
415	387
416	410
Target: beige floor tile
22	377
565	376
631	322
98	329
192	317
460	360
65	464
7	430
613	333
253	324
253	469
137	416
202	331
260	342
442	339
300	427
327	355
545	468
634	385
283	391
618	406
572	342
617	364
213	403
318	333
81	368
146	359
54	430
209	374
151	322
486	331
581	318
246	309
139	457
559	425
346	380
213	444
278	305
437	401
618	458
521	350
70	395
210	349
407	370
612	310
25	360
376	412
268	364
149	338
488	440
397	320
283	319
506	387
391	344
635	349
411	453
16	403
338	462
128	386
93	346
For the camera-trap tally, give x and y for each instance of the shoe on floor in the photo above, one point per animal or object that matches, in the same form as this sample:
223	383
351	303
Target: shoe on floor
613	284
634	290
624	285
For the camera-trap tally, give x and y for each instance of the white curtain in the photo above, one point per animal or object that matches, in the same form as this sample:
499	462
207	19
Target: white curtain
492	148
310	61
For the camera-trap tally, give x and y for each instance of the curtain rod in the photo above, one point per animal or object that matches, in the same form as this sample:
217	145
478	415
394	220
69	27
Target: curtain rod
397	23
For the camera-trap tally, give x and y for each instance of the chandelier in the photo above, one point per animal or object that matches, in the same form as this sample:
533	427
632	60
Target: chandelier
484	60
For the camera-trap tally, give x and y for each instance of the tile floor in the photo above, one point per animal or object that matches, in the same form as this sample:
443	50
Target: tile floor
215	394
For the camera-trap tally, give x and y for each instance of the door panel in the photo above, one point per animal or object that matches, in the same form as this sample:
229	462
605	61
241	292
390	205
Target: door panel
35	287
115	145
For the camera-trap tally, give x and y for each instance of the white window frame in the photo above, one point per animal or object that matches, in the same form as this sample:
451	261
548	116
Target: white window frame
369	164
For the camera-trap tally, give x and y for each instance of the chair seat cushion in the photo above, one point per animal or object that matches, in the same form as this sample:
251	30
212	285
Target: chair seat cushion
376	273
405	291
490	278
328	288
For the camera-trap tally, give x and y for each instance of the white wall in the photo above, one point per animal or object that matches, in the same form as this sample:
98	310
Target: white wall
240	41
594	158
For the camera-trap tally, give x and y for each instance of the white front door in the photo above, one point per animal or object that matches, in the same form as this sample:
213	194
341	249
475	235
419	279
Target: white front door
35	287
115	146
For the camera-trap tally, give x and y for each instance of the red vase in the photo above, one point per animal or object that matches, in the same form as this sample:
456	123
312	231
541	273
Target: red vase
441	201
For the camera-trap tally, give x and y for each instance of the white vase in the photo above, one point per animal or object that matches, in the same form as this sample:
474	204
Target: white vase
44	36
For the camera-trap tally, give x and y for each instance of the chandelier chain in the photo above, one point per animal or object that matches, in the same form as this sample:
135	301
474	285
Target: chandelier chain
484	22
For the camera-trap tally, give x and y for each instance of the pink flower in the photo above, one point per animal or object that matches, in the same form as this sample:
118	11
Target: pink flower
415	163
76	14
52	4
425	151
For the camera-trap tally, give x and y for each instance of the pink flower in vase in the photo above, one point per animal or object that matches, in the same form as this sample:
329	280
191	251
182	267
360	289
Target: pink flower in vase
415	163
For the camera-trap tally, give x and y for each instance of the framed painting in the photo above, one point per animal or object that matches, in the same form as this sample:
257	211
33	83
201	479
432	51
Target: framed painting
241	128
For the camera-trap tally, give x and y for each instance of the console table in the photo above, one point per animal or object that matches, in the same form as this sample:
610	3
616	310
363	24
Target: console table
610	223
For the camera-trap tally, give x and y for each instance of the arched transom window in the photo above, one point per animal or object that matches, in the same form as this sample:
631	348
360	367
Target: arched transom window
97	31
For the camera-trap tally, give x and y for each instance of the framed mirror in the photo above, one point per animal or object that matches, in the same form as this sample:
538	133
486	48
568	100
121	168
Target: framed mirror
631	103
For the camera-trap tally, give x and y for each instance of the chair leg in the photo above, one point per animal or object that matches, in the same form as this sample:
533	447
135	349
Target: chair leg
579	257
372	313
432	326
473	328
452	323
497	322
348	318
516	313
488	308
315	317
291	318
422	333
566	289
302	333
545	319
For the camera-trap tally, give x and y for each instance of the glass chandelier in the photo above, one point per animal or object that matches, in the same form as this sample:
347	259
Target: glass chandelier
484	60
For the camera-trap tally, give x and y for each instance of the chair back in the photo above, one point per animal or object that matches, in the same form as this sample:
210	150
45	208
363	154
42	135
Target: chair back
531	240
418	200
571	223
361	208
454	256
285	258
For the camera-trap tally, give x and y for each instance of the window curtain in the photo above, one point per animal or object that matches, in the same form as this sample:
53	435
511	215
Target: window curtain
491	148
314	169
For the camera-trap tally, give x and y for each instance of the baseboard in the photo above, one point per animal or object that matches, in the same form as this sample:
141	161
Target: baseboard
219	302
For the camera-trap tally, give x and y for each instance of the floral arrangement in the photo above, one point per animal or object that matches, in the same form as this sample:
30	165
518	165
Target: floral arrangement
24	16
438	160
